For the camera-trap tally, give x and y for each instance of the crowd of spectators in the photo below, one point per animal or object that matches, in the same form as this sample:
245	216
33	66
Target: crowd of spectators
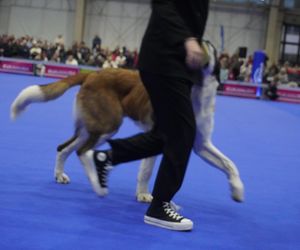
231	67
238	69
274	75
79	53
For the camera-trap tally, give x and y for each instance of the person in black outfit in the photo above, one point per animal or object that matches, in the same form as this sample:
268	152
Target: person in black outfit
169	63
271	90
96	41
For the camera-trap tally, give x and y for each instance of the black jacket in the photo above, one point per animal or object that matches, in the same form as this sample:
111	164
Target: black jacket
171	23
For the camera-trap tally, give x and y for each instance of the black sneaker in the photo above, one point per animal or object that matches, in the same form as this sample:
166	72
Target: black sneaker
97	165
166	217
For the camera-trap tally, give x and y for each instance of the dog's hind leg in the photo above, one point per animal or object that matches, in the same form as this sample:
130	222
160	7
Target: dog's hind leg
63	151
90	143
208	152
100	112
204	105
145	172
66	143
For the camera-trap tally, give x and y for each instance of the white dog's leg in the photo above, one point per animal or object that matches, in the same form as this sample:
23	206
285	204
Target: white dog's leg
214	157
145	172
204	106
61	158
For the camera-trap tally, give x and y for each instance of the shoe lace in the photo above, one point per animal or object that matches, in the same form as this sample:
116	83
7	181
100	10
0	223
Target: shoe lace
105	170
171	212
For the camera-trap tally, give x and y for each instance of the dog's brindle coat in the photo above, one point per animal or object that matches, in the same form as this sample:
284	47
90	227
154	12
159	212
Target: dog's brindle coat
106	97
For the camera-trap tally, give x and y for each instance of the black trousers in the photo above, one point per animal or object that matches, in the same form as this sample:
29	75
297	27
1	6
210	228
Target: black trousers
173	134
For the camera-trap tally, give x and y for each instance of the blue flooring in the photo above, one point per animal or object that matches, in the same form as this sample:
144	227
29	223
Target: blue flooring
36	213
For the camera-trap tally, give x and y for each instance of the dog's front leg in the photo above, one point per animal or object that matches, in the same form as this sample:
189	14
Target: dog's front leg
145	172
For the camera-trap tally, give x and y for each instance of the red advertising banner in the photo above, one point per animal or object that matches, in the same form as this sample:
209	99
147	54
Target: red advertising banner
16	67
60	71
288	95
239	90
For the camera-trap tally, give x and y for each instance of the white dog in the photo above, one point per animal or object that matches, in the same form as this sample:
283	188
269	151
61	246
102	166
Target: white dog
107	96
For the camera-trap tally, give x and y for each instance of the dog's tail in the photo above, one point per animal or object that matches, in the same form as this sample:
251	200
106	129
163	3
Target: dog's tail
44	93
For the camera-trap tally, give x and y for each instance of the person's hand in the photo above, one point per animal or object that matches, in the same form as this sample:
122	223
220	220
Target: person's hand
194	53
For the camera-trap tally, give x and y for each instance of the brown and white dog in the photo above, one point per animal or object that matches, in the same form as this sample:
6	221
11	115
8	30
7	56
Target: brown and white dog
106	97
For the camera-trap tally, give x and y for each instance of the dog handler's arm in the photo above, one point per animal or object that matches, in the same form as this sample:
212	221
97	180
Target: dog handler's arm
194	53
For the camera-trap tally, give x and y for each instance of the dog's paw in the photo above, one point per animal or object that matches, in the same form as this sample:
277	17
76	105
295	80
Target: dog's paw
237	189
62	178
144	197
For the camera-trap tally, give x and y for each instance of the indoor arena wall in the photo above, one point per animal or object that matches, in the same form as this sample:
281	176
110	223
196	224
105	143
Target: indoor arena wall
123	22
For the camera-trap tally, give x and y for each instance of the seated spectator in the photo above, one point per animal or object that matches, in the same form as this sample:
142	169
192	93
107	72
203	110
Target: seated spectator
4	45
56	57
14	45
246	70
135	56
24	51
62	52
84	53
96	50
271	72
234	67
44	56
109	63
100	58
91	61
283	76
29	47
35	51
120	60
71	60
271	91
224	67
294	76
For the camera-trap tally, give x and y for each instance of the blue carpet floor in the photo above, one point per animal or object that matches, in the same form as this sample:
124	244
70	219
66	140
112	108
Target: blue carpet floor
36	213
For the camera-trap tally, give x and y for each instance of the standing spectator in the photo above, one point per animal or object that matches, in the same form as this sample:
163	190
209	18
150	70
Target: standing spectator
96	42
59	40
